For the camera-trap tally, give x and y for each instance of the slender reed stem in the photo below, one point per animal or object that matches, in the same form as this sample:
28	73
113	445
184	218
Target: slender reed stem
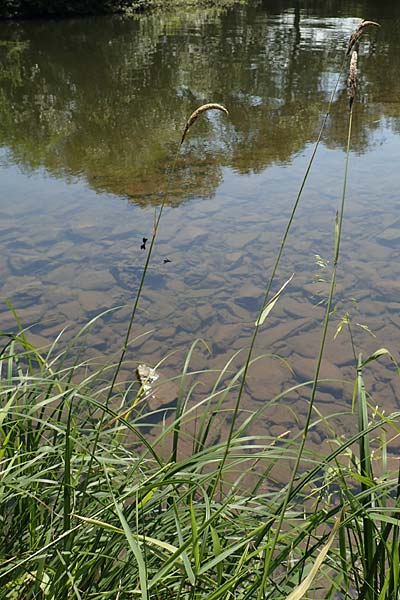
270	282
288	495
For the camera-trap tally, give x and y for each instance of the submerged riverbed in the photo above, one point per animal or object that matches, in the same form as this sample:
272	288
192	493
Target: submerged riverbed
91	113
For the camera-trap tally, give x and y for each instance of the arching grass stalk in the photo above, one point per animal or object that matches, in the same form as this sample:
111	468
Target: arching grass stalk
288	495
193	117
272	278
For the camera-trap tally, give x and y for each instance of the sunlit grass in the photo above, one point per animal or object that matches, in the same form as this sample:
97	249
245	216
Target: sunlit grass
147	519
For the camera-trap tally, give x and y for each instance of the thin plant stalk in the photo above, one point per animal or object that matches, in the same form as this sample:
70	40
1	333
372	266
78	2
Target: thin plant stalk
288	496
271	280
367	475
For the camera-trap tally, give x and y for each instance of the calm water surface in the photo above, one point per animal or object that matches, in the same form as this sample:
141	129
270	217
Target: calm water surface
91	112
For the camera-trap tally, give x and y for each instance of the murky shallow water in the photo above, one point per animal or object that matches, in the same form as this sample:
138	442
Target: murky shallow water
90	117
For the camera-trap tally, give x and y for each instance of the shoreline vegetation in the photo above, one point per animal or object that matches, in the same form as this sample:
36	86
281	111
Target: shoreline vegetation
102	497
17	9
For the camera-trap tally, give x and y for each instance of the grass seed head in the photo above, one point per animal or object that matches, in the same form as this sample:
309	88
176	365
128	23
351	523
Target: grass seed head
352	78
194	116
357	33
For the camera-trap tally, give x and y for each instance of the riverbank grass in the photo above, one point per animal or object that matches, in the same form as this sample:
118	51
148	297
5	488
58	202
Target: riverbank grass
178	512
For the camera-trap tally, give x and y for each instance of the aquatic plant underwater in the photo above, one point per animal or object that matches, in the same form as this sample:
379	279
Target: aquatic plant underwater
99	502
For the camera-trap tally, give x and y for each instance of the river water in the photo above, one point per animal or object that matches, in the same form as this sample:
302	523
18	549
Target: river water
91	113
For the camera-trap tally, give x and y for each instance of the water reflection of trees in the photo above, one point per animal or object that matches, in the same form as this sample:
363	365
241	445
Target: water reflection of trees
106	98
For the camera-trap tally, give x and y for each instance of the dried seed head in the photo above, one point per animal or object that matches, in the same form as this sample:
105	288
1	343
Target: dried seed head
193	117
352	78
357	33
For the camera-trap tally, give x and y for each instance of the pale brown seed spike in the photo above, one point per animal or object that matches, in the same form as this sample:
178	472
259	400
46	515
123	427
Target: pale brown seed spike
194	116
357	33
365	23
352	78
353	65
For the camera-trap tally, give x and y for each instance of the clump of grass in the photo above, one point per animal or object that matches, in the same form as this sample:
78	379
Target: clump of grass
138	524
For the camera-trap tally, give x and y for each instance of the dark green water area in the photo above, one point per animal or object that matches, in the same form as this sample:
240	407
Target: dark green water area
91	114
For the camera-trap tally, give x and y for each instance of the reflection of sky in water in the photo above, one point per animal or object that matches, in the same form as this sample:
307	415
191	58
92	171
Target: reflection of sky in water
69	252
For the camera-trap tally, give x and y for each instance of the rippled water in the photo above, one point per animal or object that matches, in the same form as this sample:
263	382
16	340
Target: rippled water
91	112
